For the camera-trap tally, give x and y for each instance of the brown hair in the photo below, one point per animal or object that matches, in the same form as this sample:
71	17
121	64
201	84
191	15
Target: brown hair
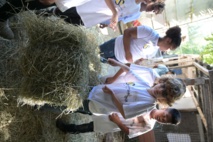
174	89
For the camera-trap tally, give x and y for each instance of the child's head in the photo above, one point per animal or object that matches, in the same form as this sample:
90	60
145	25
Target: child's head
172	90
171	40
169	116
156	7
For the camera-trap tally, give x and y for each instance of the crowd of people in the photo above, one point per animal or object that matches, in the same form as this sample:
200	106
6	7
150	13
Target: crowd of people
127	100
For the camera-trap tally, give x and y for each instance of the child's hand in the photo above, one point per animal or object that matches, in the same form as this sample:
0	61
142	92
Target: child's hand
107	90
141	120
114	118
114	21
112	62
129	57
139	61
109	80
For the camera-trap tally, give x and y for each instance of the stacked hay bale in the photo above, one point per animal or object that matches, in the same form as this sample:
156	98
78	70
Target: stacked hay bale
59	63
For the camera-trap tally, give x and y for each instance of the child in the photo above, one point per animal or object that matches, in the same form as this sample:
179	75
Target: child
132	99
132	127
92	12
140	42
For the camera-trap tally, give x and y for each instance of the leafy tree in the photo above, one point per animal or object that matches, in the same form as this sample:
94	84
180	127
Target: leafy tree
207	53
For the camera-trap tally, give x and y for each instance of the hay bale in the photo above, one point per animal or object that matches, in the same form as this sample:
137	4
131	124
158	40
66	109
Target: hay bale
59	63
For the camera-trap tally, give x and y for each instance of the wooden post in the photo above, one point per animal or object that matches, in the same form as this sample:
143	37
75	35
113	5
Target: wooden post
199	67
210	106
199	110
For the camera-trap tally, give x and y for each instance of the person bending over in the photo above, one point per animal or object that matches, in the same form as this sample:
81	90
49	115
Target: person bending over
140	42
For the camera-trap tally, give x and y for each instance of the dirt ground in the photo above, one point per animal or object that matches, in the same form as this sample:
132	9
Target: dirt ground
26	124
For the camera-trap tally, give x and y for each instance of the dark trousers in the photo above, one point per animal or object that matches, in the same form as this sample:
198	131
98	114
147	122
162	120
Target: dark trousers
71	16
107	49
11	7
83	110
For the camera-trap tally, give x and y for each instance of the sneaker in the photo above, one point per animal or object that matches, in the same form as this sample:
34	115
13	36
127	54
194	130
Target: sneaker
5	30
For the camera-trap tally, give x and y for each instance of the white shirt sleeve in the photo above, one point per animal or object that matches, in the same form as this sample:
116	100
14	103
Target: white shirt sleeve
134	109
147	33
143	74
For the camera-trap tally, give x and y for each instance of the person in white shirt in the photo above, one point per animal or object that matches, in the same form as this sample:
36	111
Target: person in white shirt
132	127
140	42
105	12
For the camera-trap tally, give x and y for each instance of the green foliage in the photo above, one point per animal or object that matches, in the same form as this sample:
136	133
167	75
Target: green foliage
188	48
207	53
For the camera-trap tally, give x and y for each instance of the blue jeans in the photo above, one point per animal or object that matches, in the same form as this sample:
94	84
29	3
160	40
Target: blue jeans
107	50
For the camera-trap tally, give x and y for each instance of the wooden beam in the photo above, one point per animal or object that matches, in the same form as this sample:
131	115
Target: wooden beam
184	66
210	108
199	110
200	128
201	68
194	81
177	61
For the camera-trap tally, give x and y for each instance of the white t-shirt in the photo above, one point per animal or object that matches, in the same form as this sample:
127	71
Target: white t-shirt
136	127
134	103
144	46
93	12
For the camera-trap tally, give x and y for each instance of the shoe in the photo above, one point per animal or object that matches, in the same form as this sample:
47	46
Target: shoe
5	30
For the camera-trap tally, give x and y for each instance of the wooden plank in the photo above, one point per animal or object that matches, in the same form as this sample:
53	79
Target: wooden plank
200	127
202	69
177	61
199	111
183	66
194	81
210	108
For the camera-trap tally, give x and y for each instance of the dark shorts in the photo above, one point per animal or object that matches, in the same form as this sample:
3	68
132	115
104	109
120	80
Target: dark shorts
107	49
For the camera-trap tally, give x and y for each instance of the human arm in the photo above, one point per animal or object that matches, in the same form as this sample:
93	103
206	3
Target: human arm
127	36
110	80
114	118
114	19
114	100
47	2
137	62
113	62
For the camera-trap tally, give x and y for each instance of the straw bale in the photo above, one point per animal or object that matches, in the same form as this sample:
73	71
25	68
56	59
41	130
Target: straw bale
59	63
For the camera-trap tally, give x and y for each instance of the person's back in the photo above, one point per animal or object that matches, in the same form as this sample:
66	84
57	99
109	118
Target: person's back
147	39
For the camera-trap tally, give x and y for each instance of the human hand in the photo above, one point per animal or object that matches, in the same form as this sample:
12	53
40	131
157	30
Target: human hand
139	61
129	57
114	21
107	90
114	118
109	80
141	120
